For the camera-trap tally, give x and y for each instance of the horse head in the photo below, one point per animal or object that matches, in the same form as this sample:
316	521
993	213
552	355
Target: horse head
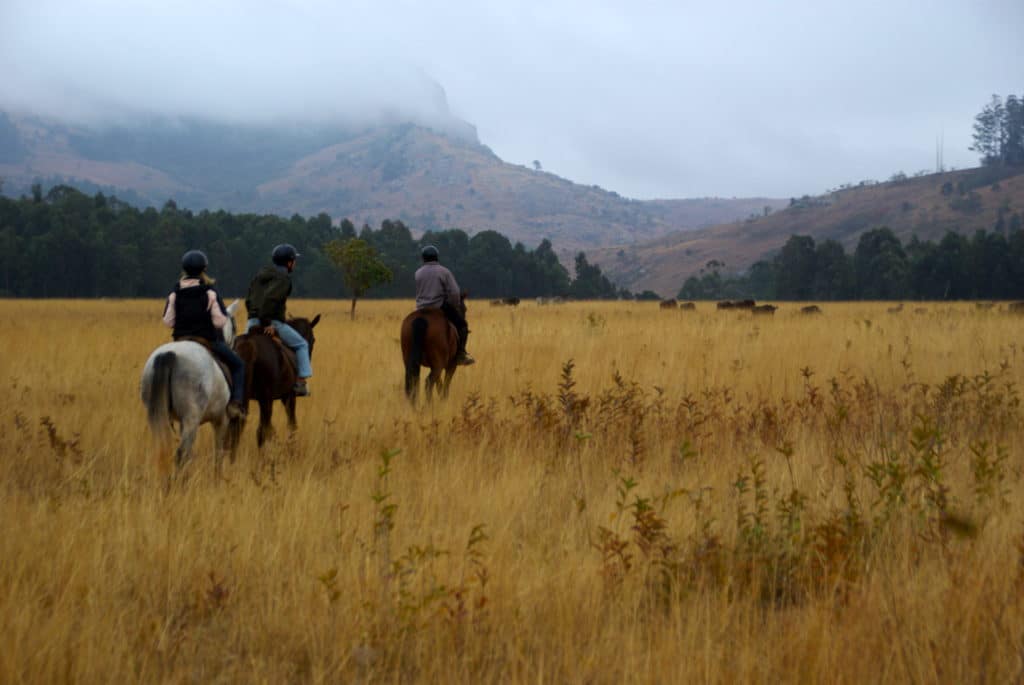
304	327
229	327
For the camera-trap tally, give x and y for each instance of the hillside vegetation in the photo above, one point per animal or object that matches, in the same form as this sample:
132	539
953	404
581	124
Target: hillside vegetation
927	206
613	494
430	179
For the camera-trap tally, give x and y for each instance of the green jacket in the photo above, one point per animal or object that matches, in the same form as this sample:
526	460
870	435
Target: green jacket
268	295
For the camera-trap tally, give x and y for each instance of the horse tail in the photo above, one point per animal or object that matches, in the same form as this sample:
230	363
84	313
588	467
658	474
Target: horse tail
159	402
412	365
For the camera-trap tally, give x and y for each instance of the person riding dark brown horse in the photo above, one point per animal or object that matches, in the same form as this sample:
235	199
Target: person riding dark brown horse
266	305
429	339
271	372
436	288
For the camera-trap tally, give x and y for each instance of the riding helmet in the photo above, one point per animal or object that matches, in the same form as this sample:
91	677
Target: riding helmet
429	253
284	254
194	262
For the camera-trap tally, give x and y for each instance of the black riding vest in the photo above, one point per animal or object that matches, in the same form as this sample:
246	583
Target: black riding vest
191	314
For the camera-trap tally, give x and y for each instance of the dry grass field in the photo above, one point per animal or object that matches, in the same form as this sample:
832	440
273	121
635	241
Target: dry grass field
698	497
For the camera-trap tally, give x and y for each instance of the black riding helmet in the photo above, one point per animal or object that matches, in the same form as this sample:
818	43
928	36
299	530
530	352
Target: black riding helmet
284	253
194	262
429	253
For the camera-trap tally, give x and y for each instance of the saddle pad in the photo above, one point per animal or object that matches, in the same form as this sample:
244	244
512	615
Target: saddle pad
289	355
206	344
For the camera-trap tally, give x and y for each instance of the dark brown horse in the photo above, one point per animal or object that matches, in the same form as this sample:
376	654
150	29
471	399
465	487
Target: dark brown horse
430	340
270	374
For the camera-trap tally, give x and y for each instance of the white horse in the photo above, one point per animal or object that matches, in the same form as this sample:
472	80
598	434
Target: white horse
182	382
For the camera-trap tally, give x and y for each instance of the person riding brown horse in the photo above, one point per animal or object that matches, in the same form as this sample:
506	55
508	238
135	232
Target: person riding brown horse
429	339
271	372
436	288
266	304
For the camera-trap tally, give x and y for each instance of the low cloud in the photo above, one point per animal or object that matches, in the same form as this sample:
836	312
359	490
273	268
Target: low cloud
649	99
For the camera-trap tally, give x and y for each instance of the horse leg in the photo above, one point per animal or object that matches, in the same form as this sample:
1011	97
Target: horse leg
433	380
448	373
266	429
189	428
412	384
289	409
221	431
234	436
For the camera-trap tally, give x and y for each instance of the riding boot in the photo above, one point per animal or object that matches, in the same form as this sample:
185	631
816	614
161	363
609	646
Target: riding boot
236	405
463	358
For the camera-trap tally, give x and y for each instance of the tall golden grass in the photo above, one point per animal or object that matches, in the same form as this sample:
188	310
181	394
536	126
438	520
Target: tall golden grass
693	497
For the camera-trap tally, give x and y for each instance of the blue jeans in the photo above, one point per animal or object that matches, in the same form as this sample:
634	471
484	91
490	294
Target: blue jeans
235	365
290	337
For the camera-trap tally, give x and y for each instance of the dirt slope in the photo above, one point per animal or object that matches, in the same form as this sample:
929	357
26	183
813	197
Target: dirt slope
928	206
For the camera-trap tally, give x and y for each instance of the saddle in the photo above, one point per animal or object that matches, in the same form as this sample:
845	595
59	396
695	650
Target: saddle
216	360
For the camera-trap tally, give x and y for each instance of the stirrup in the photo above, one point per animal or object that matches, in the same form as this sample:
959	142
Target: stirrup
235	410
465	359
301	390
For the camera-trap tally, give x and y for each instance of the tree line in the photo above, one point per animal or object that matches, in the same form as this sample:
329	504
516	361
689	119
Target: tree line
987	265
65	243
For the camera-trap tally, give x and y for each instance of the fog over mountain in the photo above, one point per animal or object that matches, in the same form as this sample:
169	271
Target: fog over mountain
651	99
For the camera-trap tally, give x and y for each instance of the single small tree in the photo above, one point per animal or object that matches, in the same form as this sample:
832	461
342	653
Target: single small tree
360	267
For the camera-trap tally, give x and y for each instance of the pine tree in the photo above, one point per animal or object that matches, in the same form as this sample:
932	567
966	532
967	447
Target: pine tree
988	131
1013	125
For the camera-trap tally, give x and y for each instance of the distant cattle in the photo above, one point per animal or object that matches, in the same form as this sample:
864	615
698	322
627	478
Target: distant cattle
984	305
810	309
1015	307
668	304
895	310
920	310
505	302
687	306
737	304
763	309
543	301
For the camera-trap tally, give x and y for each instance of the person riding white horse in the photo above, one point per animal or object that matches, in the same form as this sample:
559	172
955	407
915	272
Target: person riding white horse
181	382
195	310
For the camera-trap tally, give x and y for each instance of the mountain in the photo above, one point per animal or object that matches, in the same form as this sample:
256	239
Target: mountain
928	206
430	175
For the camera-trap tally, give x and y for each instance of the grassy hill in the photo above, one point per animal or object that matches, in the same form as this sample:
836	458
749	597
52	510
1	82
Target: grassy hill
928	206
431	178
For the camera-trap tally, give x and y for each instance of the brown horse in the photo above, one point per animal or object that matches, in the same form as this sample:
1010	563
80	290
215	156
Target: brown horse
270	375
430	340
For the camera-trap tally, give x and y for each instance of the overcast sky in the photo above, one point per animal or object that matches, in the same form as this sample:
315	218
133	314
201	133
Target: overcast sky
650	99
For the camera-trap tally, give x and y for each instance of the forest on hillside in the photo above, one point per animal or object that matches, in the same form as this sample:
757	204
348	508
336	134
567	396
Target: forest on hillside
988	265
65	243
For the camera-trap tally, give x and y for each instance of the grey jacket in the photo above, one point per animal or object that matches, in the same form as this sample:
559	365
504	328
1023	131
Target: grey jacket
435	285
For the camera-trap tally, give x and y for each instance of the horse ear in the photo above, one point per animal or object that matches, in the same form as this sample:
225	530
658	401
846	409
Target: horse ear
315	321
232	307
